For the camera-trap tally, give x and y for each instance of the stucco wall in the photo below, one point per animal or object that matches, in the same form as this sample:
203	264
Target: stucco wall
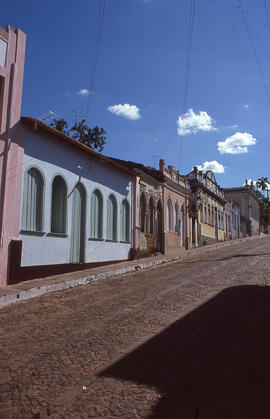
249	208
52	157
173	239
208	229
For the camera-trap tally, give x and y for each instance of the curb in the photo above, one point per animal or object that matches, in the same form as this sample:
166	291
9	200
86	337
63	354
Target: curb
13	296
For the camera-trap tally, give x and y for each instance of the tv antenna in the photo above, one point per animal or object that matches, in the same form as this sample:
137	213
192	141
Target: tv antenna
47	116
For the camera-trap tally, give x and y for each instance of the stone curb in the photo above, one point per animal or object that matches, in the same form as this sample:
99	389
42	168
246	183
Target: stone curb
19	295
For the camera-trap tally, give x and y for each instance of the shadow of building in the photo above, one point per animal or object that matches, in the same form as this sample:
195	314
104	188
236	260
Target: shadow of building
212	364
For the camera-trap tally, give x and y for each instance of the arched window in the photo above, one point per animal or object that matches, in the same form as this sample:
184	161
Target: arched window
222	220
111	218
59	206
176	217
125	221
96	215
213	216
169	215
201	213
218	218
32	200
205	212
209	214
142	213
182	226
151	216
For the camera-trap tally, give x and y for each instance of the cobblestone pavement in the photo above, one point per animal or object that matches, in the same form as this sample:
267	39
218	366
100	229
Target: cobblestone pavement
188	340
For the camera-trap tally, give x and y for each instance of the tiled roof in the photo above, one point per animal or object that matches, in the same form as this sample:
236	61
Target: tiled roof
37	124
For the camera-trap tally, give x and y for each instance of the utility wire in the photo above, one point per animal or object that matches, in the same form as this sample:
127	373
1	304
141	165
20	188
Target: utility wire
254	50
188	56
100	21
267	15
187	72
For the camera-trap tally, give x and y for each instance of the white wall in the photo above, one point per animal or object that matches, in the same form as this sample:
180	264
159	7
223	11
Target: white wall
53	157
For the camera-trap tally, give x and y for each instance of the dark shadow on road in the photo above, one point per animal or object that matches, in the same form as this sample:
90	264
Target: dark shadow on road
214	363
240	255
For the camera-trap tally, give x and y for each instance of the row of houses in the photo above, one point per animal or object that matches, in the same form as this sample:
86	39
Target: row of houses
66	207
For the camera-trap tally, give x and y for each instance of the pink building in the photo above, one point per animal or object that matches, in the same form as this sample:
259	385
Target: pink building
12	52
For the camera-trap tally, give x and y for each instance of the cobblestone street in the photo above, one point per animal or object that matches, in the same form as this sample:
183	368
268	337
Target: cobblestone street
189	339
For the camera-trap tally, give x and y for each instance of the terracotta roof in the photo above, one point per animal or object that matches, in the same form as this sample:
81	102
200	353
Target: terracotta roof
151	171
37	124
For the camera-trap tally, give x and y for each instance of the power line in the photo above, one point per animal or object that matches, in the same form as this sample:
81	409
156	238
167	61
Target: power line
188	56
267	15
254	50
187	72
100	21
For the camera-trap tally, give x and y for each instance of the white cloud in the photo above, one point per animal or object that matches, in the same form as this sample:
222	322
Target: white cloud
191	123
213	165
84	92
126	111
236	144
246	106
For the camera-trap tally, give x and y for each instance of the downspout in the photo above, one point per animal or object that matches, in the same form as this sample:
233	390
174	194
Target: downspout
134	199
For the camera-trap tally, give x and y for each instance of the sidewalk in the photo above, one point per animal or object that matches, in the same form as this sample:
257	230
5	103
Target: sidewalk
37	287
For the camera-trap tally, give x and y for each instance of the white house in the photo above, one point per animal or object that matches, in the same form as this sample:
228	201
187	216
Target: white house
76	205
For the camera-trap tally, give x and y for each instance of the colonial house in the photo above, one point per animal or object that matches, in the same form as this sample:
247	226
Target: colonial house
149	209
248	203
232	218
62	206
76	205
162	220
176	216
208	207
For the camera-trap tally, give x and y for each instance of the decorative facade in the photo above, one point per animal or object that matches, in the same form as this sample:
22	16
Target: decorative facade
248	204
232	218
176	218
149	209
209	207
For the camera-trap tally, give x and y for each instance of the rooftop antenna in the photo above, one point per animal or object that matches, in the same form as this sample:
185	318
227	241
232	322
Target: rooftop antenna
76	113
47	116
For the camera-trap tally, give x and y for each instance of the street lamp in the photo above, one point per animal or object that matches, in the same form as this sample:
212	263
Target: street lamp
194	205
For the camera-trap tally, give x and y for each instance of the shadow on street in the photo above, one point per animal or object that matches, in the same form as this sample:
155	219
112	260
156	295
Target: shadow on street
240	255
214	363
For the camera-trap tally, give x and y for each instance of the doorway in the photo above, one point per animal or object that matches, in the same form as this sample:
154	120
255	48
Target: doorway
77	251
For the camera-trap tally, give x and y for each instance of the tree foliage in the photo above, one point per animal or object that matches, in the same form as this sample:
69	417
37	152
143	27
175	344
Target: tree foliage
263	184
93	138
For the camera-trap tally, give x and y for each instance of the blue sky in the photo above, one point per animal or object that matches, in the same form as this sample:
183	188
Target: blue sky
142	63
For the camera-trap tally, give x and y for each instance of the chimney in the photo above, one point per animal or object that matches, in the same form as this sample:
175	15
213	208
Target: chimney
161	165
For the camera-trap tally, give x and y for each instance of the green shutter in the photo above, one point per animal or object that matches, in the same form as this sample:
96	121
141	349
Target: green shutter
32	200
96	215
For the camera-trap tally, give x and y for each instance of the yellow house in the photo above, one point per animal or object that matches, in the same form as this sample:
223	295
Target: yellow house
209	218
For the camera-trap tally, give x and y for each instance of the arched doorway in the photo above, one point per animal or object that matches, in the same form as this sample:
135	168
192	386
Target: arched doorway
158	235
77	249
182	226
143	214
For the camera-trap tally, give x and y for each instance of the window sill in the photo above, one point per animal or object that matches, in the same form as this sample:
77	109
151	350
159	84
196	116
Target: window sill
111	241
124	241
32	233
56	234
96	239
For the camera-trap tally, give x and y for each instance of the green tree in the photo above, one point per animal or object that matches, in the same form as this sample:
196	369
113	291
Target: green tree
263	183
93	138
60	125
